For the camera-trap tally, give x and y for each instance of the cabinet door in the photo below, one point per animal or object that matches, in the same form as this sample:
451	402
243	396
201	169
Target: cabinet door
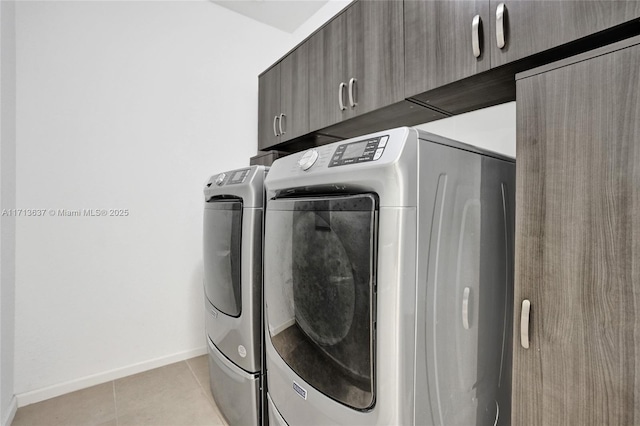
532	26
438	42
375	54
327	70
578	243
294	93
364	43
268	107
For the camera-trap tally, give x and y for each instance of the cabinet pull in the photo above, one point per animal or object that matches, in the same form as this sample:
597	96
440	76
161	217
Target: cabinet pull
275	130
352	96
475	35
524	323
501	13
341	88
465	307
280	120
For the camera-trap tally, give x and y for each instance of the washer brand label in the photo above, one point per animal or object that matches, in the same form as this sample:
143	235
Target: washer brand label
300	390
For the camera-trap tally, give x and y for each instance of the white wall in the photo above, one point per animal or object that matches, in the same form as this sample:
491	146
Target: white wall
329	10
7	201
491	128
124	105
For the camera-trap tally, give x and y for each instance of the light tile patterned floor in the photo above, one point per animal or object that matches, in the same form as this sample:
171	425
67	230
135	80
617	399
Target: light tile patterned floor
174	395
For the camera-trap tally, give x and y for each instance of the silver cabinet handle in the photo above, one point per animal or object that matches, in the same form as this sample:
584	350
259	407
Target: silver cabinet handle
475	35
465	307
282	116
275	131
501	13
352	96
524	323
341	88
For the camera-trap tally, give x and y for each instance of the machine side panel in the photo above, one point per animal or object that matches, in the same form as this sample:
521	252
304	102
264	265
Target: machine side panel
462	288
497	277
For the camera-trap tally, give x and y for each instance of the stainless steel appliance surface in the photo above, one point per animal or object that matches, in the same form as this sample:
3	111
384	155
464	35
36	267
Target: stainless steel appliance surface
232	257
388	276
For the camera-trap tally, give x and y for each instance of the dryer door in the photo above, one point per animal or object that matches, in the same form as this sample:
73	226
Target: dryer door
319	283
222	237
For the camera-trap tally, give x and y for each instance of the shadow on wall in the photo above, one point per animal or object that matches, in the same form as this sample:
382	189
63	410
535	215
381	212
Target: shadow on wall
196	288
492	128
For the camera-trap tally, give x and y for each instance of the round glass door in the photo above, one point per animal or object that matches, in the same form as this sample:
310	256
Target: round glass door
319	280
222	241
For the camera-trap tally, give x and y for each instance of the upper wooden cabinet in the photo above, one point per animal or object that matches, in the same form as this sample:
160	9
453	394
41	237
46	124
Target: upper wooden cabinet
533	26
445	41
356	63
283	100
327	71
294	93
449	40
268	107
381	62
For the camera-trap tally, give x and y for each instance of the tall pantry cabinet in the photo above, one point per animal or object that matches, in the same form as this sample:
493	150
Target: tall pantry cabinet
577	286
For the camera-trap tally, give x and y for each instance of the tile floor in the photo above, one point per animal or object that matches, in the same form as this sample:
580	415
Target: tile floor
174	395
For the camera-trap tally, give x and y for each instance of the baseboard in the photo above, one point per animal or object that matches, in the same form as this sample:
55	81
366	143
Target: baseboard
49	392
282	327
13	407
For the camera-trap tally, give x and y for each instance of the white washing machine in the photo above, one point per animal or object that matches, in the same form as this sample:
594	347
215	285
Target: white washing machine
233	225
388	274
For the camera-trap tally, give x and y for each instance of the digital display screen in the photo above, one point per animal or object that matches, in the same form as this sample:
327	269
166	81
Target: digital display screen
238	177
354	150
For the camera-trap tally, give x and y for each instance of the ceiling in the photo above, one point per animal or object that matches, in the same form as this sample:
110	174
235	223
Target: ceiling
286	15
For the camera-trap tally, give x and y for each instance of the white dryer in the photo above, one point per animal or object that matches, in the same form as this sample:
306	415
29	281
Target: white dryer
388	275
233	218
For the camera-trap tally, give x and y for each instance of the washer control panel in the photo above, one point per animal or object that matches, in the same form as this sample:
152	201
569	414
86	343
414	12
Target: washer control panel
235	177
359	152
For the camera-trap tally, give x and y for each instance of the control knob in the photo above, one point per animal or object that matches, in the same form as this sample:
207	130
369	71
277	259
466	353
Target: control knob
308	159
220	179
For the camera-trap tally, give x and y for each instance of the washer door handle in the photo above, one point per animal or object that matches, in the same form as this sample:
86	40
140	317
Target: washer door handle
465	308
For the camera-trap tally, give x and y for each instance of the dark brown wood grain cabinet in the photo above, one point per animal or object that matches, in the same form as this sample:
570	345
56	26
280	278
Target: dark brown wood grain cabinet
294	94
451	44
445	41
521	28
451	56
356	63
268	107
577	273
283	100
327	70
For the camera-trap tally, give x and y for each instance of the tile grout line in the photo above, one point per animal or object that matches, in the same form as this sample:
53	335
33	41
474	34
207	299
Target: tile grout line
211	401
115	404
194	375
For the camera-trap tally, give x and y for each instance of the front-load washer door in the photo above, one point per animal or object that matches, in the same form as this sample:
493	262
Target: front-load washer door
319	288
222	237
